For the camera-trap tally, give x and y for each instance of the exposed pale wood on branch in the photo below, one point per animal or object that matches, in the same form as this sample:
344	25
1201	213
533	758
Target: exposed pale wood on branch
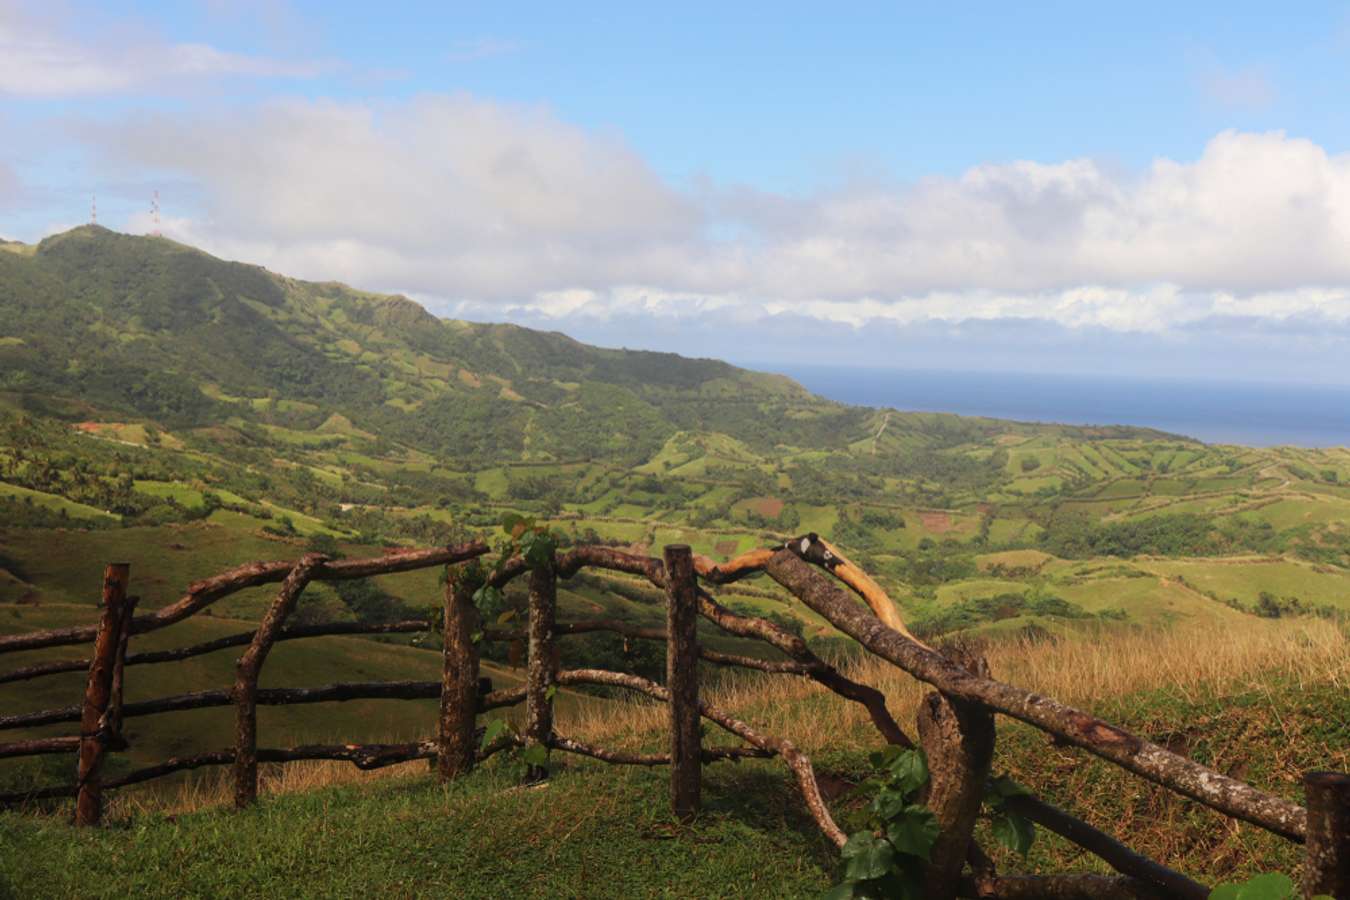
745	565
799	763
815	549
1120	857
202	594
288	633
249	667
1116	745
97	727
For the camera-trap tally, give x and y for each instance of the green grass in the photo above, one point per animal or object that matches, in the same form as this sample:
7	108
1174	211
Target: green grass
54	502
481	837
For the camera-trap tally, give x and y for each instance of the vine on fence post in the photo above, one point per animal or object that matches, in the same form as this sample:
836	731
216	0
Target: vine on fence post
536	547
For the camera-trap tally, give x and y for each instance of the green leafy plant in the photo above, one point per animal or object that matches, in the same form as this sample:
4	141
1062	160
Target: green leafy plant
886	860
1270	886
532	542
1016	832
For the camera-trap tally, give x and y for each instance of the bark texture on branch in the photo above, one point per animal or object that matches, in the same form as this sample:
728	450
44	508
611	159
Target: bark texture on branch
97	726
1327	869
597	557
363	756
686	775
459	677
40	746
1102	845
1116	745
202	594
328	693
288	633
958	740
819	670
627	629
249	668
797	762
541	667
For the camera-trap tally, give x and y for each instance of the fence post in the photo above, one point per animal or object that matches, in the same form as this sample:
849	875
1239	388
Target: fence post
1327	870
541	668
98	693
247	670
682	681
455	750
958	739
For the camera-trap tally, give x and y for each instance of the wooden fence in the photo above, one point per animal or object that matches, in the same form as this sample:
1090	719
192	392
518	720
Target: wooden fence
955	723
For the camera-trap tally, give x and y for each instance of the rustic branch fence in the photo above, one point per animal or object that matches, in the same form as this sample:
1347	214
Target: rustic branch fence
955	723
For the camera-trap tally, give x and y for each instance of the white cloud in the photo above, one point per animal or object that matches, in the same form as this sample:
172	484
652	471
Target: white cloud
478	206
40	58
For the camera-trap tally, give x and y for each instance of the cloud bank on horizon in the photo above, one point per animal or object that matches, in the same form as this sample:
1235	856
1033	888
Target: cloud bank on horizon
1230	261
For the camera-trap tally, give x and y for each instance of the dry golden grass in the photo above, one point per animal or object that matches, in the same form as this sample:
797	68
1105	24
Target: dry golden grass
1082	670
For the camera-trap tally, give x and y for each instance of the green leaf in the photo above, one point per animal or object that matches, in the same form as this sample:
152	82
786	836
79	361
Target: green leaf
909	771
1014	832
882	758
872	857
535	755
1271	886
495	729
1004	787
506	617
1225	891
888	804
914	831
550	691
488	599
842	891
537	548
510	521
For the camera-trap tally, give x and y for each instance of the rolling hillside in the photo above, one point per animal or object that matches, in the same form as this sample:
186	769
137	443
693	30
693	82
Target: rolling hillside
186	414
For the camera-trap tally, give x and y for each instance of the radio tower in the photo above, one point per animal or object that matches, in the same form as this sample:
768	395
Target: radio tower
93	209
154	214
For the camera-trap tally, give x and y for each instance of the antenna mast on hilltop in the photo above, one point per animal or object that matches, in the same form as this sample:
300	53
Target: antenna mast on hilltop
93	209
154	214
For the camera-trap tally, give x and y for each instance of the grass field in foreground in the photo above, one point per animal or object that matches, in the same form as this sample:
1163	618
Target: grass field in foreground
1262	703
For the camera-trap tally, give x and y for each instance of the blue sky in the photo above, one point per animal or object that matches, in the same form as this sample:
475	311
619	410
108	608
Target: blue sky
1159	188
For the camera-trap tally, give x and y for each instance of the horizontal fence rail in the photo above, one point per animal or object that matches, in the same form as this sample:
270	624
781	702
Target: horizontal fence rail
958	746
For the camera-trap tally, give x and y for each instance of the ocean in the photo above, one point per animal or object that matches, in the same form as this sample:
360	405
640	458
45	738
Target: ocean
1255	414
